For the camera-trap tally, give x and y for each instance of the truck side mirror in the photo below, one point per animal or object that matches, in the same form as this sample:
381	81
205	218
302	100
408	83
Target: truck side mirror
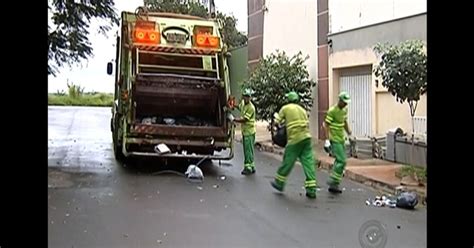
109	68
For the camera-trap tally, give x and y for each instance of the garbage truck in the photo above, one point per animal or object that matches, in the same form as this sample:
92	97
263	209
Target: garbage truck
171	88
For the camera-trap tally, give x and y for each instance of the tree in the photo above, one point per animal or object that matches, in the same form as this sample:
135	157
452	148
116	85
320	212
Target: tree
231	36
402	70
67	40
273	77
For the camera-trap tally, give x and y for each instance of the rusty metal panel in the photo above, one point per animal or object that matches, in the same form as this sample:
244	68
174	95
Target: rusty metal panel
187	131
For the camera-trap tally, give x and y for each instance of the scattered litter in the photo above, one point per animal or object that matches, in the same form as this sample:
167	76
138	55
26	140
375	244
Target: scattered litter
135	198
202	200
146	121
162	149
194	174
177	120
164	234
381	201
222	177
52	222
168	121
110	194
125	235
67	215
399	190
85	231
215	186
398	226
158	241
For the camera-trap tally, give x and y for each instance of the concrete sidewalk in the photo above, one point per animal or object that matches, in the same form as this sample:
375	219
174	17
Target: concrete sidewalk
379	174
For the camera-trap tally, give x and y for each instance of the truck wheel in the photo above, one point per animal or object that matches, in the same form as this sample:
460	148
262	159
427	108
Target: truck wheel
118	154
118	149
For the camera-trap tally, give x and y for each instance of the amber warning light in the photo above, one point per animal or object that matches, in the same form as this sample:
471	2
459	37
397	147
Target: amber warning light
146	32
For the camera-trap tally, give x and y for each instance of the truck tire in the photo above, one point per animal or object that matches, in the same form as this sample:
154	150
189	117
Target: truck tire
117	147
118	154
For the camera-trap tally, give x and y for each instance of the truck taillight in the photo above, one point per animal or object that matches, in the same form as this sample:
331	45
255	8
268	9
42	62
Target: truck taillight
146	32
205	40
146	36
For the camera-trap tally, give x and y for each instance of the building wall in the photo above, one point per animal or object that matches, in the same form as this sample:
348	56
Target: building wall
255	35
394	31
349	14
297	31
351	52
294	34
391	114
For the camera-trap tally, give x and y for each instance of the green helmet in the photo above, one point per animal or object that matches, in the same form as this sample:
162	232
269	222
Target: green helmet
344	96
292	96
247	92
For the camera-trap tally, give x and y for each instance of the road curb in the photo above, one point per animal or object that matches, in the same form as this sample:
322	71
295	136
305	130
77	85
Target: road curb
377	185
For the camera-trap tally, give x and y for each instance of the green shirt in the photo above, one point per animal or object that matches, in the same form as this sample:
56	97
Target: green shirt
247	111
335	119
296	120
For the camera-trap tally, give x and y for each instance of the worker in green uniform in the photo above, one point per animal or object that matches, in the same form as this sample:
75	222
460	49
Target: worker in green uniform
247	120
299	145
334	125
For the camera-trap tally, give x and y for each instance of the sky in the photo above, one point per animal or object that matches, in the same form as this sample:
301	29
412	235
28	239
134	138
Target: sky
92	74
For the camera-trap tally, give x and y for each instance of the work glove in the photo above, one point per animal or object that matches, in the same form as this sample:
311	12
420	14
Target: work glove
231	117
327	146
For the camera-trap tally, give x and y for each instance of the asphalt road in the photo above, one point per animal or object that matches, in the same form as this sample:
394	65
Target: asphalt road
93	201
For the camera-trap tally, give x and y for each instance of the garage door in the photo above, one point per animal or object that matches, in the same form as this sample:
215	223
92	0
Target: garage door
360	108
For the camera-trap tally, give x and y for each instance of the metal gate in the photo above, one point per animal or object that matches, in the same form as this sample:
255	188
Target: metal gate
360	108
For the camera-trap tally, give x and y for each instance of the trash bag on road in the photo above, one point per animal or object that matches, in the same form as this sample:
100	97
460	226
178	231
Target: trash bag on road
194	173
407	200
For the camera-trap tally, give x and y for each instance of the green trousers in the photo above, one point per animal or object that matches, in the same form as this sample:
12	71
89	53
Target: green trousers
338	150
303	151
248	142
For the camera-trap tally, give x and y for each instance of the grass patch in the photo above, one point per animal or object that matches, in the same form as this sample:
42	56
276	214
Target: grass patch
95	99
408	170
